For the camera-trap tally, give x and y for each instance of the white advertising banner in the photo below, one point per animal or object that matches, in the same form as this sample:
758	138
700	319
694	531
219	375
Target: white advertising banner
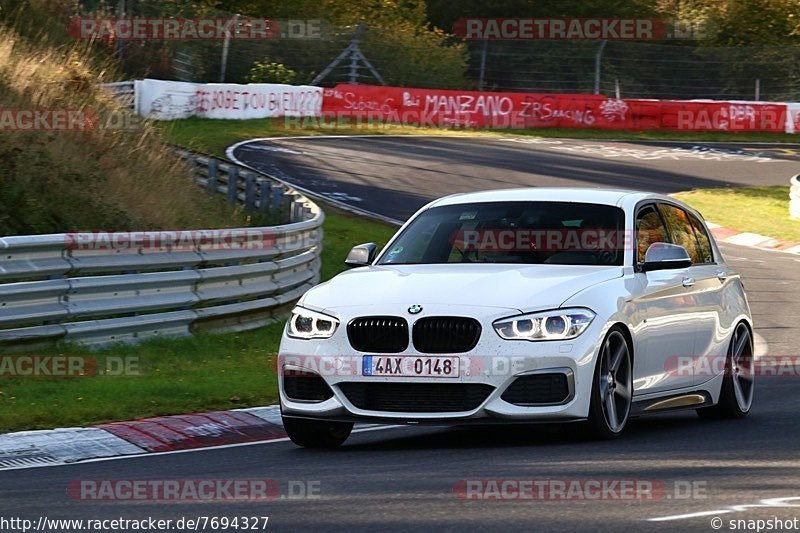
168	100
165	100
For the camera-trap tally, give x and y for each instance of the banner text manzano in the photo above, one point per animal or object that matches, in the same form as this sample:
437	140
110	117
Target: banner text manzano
539	110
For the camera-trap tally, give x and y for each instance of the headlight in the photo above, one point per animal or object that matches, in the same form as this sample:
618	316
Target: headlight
307	324
556	325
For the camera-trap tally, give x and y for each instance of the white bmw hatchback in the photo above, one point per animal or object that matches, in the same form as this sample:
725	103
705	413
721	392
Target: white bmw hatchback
522	305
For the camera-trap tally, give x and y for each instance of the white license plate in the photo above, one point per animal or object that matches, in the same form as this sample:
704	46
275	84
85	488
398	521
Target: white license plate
410	366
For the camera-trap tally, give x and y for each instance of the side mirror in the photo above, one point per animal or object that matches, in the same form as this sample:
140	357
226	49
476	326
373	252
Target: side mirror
361	255
665	256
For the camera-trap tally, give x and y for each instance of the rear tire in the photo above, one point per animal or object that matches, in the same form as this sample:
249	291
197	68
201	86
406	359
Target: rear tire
736	394
612	388
316	433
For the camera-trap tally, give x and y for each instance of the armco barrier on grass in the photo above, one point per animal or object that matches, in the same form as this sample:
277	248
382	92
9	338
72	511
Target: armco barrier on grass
101	287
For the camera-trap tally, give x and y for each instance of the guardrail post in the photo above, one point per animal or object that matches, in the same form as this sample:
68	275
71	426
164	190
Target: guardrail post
286	208
263	196
297	211
213	171
233	185
277	197
250	193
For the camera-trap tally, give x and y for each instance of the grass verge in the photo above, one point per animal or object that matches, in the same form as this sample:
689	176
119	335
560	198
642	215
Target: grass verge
763	210
213	136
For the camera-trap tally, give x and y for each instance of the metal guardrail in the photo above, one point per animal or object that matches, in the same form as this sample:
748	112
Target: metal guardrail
124	92
51	289
794	197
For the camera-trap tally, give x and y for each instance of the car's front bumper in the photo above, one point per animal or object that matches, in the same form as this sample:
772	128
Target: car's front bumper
493	361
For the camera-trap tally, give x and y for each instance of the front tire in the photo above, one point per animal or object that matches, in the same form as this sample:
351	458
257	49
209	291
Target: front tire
736	394
316	433
612	388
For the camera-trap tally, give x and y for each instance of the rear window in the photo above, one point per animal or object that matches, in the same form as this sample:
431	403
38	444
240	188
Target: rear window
512	232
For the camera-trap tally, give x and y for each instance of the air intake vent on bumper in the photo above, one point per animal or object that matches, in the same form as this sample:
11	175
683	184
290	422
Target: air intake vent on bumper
538	389
305	386
416	397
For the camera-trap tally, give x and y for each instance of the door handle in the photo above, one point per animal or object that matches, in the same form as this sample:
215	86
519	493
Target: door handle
722	275
688	282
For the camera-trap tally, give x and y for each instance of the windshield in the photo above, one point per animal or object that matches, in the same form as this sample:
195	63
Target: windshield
561	233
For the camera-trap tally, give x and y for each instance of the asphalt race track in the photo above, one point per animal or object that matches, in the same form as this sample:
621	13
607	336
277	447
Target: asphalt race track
396	175
404	478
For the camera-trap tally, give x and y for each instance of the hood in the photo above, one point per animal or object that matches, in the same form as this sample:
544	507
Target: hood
522	287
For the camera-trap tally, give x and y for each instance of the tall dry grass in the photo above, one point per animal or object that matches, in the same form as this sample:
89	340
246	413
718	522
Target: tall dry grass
105	177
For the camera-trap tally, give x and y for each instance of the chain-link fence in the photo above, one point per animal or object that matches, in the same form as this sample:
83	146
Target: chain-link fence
679	70
637	69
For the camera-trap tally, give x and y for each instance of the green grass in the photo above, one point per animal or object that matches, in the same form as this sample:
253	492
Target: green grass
190	374
763	210
213	136
342	232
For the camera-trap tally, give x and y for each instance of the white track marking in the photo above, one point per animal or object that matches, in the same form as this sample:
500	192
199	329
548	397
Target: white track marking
780	503
760	345
206	449
688	515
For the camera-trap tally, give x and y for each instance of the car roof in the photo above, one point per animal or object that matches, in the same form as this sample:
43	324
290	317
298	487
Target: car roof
592	195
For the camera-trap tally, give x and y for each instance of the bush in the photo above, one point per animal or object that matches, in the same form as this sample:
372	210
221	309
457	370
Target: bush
270	72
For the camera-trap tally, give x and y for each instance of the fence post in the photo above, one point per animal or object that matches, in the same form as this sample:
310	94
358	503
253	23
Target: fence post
482	76
353	74
225	46
598	56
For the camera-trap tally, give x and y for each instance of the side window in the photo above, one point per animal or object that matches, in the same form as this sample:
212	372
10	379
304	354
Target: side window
649	229
703	241
680	229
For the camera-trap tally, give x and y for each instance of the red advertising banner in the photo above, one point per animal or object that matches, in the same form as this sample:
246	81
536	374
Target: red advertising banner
473	109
